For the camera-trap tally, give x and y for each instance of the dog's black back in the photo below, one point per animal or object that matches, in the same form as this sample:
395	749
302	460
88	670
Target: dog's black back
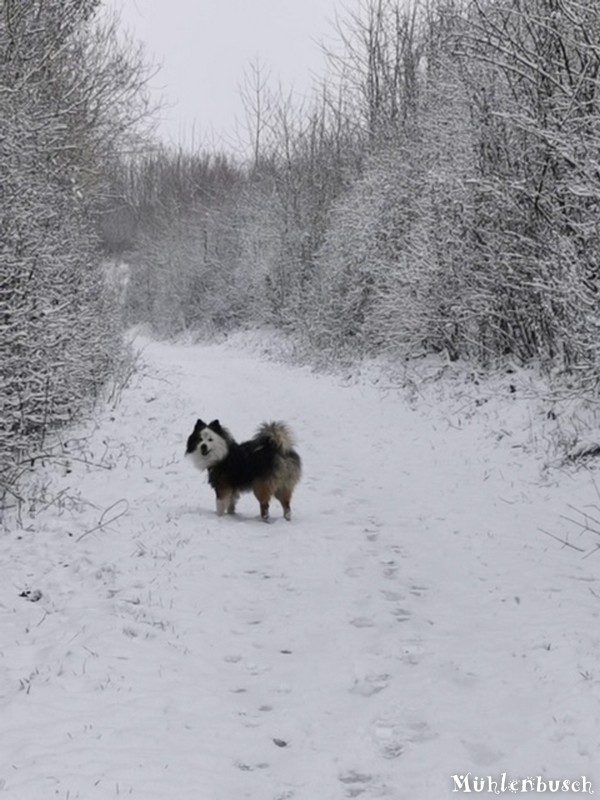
247	462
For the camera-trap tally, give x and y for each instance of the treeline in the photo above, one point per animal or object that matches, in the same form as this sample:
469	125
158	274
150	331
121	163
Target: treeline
70	96
439	194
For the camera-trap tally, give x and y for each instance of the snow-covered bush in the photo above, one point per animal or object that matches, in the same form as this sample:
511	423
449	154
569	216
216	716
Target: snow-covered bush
67	97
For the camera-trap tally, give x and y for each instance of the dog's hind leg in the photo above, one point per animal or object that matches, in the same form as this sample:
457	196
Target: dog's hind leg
262	492
285	496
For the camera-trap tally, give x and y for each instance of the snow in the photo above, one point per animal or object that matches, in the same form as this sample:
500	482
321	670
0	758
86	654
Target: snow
410	623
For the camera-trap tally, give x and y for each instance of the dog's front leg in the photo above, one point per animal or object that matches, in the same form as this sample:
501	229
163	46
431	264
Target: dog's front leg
223	502
232	501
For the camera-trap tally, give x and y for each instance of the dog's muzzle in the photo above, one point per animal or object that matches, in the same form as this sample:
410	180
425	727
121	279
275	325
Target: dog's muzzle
203	449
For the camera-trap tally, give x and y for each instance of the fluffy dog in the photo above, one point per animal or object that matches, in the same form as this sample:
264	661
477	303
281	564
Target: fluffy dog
267	464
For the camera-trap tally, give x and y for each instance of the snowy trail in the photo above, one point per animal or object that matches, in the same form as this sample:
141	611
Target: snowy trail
409	624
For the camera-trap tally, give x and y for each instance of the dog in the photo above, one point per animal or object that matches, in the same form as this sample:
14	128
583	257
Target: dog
267	464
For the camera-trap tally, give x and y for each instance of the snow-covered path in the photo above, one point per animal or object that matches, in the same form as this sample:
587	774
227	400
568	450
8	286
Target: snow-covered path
409	624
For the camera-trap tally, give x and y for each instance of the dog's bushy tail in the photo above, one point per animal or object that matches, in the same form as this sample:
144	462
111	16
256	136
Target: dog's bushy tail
279	434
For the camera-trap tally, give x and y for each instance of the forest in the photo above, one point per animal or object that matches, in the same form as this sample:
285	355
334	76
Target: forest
437	194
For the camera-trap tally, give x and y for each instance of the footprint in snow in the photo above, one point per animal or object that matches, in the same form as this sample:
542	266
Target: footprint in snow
392	597
390	568
354	572
412	652
362	622
420	732
356	782
393	735
244	767
256	669
390	738
482	755
351	776
372	529
402	614
371	684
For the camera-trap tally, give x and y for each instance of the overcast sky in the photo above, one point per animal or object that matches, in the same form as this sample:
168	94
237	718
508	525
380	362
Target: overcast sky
205	47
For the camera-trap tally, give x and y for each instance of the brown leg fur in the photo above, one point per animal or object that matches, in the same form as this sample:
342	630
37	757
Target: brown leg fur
285	496
263	494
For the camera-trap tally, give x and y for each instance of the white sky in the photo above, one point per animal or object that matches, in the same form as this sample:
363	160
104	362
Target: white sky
205	47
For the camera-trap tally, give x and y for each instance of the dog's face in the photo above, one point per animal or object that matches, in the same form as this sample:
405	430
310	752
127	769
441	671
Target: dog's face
207	444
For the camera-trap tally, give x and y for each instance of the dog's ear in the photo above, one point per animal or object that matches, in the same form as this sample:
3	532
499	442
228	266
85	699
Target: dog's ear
215	426
199	425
